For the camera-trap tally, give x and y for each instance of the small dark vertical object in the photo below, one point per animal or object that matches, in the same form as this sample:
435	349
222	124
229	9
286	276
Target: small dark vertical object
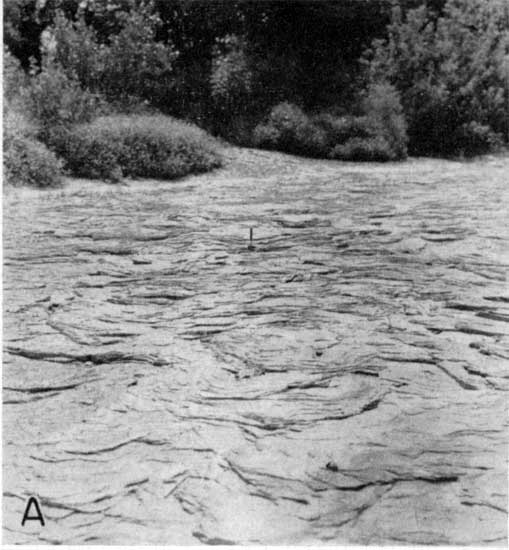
250	245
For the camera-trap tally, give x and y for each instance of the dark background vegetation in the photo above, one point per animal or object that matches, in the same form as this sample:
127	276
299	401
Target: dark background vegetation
344	79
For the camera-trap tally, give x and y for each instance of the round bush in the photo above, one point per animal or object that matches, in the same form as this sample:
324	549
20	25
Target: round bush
382	105
290	130
29	162
473	138
151	146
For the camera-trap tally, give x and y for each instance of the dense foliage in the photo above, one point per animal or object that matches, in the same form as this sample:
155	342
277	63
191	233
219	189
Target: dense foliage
112	147
83	73
131	64
452	72
285	44
56	101
347	80
27	161
14	79
289	129
378	134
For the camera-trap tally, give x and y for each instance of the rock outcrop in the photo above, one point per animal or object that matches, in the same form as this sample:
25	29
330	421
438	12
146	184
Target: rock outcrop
343	381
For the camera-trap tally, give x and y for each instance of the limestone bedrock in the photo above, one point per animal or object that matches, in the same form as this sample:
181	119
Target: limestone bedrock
343	380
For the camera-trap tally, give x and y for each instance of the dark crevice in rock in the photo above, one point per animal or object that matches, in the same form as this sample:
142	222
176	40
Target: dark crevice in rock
43	389
101	358
213	541
487	504
462	383
392	482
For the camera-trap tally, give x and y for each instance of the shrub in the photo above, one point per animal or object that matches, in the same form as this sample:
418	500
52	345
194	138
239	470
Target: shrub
231	77
30	162
138	146
74	47
384	113
231	90
375	149
14	78
136	63
266	136
15	124
290	130
131	63
26	161
310	140
56	102
451	70
476	139
287	117
378	136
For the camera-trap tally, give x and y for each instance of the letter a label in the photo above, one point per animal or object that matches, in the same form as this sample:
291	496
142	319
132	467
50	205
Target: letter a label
30	515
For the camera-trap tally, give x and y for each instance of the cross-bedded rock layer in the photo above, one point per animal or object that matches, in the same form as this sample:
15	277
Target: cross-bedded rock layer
343	382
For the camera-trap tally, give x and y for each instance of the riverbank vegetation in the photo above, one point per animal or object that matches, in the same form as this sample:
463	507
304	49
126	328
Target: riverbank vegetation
349	80
112	147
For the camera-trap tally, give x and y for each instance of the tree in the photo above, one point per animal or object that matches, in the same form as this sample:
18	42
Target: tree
451	73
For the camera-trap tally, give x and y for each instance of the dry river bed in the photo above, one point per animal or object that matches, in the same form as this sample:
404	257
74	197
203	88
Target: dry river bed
345	381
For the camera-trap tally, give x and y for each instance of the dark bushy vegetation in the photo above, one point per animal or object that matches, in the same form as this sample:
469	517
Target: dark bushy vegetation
79	79
290	130
56	102
194	59
14	78
379	134
27	161
132	63
231	78
435	79
112	147
384	112
473	138
452	73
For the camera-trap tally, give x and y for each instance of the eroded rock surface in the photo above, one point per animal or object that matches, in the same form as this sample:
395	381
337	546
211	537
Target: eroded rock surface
344	381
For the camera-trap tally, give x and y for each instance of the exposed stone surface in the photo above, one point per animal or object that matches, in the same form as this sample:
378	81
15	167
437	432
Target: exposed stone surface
344	381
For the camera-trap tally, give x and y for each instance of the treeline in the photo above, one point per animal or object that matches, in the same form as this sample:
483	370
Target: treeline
303	52
359	80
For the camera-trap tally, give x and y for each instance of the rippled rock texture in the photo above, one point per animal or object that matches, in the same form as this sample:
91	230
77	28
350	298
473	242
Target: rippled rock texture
344	381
